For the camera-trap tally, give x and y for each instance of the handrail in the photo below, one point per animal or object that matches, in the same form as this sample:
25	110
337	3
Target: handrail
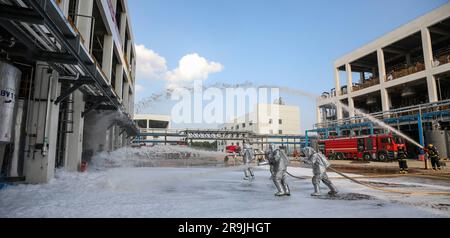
427	107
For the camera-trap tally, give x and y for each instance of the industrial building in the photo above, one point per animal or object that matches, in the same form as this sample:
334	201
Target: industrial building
277	121
67	74
402	78
152	123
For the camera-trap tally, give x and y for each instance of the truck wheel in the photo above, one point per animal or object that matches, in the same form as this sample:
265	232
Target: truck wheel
340	156
367	157
382	156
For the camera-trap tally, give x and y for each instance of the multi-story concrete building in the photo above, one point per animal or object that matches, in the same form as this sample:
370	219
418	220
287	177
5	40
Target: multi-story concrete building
72	86
405	72
265	119
152	121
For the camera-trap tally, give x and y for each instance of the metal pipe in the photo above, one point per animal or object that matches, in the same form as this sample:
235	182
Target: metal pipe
47	115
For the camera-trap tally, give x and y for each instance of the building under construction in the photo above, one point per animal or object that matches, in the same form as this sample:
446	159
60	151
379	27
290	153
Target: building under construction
67	70
402	78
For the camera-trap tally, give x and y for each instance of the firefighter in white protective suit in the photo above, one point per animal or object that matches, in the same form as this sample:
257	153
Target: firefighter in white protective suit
278	162
248	155
319	165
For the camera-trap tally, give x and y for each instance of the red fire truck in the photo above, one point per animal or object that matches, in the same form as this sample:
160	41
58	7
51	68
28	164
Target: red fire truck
369	147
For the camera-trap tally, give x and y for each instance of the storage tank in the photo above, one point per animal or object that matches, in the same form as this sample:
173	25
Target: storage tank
9	83
441	139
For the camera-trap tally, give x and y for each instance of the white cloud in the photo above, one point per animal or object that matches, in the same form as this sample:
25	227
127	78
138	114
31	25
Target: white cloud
149	65
192	67
138	88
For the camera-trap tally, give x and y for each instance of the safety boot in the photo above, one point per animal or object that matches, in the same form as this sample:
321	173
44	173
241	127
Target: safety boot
246	175
330	185
316	190
279	188
287	191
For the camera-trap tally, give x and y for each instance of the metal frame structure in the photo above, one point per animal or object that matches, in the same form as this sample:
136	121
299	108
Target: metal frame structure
49	37
216	135
415	114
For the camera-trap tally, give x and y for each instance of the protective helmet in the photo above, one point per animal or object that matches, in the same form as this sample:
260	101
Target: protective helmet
430	146
308	151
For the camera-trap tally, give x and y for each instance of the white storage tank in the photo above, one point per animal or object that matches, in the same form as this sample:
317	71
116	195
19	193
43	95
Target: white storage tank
9	84
441	139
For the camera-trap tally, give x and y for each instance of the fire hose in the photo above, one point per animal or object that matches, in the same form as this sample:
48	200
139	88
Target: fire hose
375	187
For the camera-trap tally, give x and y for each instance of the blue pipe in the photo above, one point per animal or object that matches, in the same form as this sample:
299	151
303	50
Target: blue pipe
420	129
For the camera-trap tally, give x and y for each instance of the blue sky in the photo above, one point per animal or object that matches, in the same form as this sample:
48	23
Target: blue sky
289	43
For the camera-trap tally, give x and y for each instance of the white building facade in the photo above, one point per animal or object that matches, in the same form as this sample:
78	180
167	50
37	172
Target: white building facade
265	119
406	67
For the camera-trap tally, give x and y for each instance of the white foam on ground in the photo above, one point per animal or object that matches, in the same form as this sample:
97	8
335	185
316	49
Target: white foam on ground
146	156
128	191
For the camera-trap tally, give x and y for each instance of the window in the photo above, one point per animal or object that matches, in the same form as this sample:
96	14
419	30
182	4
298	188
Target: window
280	132
270	121
243	125
237	127
280	121
232	128
250	123
142	123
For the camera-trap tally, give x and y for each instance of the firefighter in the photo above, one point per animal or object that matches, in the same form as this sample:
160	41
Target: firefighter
434	156
279	162
319	164
248	157
402	160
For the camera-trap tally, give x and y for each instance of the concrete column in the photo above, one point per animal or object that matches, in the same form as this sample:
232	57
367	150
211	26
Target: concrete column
428	58
74	147
114	5
84	24
133	70
119	80
348	69
432	89
319	114
128	51
351	106
107	56
339	112
427	48
131	105
381	66
337	81
39	163
385	101
122	29
125	95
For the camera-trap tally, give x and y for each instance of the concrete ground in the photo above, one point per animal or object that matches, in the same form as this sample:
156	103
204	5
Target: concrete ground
165	182
415	167
213	192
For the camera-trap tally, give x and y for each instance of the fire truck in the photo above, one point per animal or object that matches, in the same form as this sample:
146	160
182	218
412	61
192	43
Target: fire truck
382	147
